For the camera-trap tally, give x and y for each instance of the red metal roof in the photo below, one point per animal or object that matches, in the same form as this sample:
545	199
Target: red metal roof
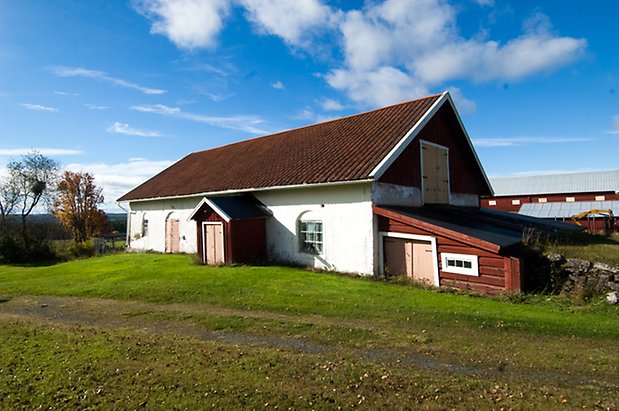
345	149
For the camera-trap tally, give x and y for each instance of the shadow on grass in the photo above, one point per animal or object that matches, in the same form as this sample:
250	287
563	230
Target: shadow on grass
33	264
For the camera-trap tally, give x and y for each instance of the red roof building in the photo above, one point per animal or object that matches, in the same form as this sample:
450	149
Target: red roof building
392	191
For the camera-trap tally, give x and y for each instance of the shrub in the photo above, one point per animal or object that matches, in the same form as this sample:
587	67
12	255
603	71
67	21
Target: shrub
81	250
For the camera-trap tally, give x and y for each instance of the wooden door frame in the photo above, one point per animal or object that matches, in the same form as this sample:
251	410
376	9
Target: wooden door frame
414	237
223	250
429	143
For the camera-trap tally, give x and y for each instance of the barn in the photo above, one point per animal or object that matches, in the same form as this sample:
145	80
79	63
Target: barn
392	191
561	197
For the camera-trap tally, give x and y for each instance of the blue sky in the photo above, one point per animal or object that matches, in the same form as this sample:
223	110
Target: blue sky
124	88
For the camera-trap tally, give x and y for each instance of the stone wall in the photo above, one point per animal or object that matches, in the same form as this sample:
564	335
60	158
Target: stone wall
568	275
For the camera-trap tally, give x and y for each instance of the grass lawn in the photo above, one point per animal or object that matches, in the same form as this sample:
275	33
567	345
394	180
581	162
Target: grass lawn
604	249
158	331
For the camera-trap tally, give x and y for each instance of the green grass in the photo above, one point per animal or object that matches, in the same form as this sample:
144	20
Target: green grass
538	354
167	279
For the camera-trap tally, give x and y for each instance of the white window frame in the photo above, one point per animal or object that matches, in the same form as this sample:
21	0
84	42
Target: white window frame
600	198
570	199
473	259
302	240
491	202
542	200
515	202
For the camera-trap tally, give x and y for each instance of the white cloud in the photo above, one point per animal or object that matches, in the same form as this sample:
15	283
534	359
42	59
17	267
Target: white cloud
247	123
39	107
222	69
189	24
293	21
416	45
67	94
218	97
119	178
305	114
44	151
331	105
380	87
393	50
524	141
123	128
62	71
463	104
96	107
278	85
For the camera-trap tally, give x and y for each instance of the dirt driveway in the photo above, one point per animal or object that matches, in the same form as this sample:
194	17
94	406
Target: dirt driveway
181	320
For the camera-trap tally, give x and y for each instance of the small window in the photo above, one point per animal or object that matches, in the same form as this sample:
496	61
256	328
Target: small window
491	202
144	227
460	264
515	202
600	198
570	199
542	200
310	234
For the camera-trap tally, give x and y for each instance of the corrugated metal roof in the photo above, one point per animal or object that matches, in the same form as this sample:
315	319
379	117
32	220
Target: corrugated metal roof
566	210
593	181
345	149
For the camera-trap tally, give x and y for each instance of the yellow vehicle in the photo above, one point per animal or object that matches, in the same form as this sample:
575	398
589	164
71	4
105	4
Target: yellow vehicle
607	214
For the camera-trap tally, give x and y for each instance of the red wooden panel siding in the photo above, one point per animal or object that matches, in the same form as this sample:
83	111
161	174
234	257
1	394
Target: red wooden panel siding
208	215
248	238
443	129
497	273
467	285
244	240
505	203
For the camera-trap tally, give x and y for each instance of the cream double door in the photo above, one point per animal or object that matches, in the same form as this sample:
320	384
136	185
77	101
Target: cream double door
412	258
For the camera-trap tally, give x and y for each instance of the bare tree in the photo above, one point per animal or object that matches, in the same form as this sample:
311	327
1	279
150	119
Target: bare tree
9	194
31	182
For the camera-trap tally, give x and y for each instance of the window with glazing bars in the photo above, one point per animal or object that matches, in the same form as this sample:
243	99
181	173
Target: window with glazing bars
311	236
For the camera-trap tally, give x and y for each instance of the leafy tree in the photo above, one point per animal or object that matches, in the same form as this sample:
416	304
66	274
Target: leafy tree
77	205
30	182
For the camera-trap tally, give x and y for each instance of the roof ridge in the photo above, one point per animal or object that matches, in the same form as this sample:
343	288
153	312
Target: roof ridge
319	123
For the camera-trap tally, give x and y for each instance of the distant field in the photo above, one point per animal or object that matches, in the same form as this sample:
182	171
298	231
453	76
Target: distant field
151	330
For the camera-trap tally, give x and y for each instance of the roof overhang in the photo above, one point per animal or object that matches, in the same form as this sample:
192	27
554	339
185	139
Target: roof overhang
252	190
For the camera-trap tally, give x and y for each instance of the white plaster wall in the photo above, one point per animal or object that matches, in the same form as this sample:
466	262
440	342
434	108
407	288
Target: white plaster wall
464	200
348	226
396	195
157	211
